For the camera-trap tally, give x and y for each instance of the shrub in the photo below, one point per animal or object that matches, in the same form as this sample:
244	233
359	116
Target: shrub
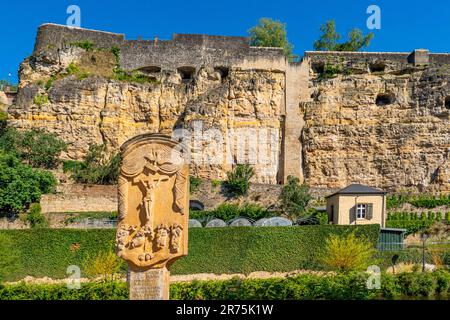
194	183
105	264
294	197
417	284
238	179
86	45
40	99
348	253
21	185
3	121
96	167
229	211
35	217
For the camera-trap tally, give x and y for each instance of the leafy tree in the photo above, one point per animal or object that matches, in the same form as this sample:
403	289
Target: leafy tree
270	33
348	253
40	149
21	185
238	179
328	41
3	121
96	166
294	197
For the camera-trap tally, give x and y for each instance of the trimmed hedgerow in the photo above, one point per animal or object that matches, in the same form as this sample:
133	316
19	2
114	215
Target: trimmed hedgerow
48	252
307	286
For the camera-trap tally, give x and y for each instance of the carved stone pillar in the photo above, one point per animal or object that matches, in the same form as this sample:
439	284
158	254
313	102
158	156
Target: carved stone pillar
152	230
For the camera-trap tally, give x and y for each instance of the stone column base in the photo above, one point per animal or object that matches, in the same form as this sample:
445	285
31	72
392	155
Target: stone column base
150	284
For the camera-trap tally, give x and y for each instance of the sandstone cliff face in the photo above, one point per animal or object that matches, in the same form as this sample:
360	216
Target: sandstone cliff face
388	129
74	94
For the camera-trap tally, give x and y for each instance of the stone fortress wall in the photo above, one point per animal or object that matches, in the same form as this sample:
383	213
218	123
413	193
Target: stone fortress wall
376	118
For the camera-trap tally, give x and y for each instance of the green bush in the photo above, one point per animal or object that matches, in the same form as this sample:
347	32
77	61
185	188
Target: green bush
48	252
228	211
301	287
420	201
346	253
40	99
86	45
35	217
238	179
96	167
21	185
411	221
3	121
38	148
194	184
294	197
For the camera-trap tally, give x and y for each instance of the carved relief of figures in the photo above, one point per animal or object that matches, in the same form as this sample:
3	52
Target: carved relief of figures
161	236
175	233
153	199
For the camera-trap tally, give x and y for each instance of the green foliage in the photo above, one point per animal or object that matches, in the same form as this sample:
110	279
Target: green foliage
331	71
38	148
86	45
133	76
35	217
228	211
9	258
21	185
40	99
72	68
194	184
350	286
48	252
3	121
96	167
346	253
238	179
116	52
294	198
270	33
322	217
49	82
329	38
420	201
215	183
411	221
105	264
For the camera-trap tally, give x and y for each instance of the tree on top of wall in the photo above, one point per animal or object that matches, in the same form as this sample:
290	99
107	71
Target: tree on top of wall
328	41
271	33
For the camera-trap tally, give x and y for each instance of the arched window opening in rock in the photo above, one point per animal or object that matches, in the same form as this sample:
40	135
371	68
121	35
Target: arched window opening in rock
223	71
150	69
377	67
186	73
196	205
384	99
447	102
318	67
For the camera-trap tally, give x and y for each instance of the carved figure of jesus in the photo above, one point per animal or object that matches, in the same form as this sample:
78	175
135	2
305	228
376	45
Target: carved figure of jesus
149	198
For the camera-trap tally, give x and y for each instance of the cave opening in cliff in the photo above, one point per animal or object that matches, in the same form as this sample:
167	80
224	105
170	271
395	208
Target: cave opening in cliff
384	99
223	71
377	67
318	67
447	102
186	73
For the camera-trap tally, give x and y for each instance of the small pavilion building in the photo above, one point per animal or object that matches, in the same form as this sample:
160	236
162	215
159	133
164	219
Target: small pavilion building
357	204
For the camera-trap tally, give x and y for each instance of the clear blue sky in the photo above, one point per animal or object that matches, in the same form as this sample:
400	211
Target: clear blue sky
405	25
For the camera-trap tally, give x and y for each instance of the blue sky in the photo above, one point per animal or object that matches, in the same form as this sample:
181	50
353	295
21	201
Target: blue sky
405	25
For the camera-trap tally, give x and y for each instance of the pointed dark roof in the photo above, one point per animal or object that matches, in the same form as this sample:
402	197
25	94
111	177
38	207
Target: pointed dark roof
358	189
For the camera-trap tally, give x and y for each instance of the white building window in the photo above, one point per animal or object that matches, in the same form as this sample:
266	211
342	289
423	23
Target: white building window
361	211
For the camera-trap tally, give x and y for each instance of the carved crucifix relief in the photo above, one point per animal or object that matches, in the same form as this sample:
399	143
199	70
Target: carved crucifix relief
153	202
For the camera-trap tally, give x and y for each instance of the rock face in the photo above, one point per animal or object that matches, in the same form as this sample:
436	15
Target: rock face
333	119
386	128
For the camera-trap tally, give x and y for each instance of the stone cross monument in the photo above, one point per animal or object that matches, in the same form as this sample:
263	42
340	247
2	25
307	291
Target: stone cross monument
152	230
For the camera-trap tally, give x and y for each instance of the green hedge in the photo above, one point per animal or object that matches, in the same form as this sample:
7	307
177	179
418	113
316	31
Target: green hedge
306	286
48	252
